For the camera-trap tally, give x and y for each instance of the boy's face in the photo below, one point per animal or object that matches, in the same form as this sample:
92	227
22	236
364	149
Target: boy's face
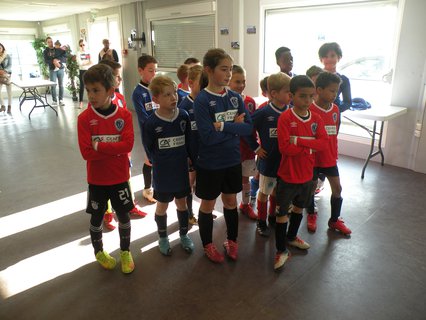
195	86
330	60
221	74
281	97
303	98
285	62
117	75
167	99
237	82
148	72
329	93
98	96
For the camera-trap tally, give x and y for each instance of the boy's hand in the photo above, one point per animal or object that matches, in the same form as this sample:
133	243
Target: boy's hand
261	153
217	125
239	118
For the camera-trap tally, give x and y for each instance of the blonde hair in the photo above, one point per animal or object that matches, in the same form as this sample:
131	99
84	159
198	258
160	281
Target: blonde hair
158	84
194	72
278	81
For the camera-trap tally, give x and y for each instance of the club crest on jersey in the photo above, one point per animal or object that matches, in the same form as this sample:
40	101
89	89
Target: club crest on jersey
94	205
183	125
119	124
314	127
335	117
250	107
234	102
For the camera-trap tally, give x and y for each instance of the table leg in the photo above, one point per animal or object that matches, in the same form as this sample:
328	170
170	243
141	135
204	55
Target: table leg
371	154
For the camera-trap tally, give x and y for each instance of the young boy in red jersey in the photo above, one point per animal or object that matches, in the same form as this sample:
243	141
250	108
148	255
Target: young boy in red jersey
327	87
300	134
238	84
118	99
105	137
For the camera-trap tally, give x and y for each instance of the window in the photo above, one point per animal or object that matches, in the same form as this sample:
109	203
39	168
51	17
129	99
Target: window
24	60
365	32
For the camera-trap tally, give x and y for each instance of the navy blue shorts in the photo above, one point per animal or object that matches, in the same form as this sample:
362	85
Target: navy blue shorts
297	194
167	197
328	172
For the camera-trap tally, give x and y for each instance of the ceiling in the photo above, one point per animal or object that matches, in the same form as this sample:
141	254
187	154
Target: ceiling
41	10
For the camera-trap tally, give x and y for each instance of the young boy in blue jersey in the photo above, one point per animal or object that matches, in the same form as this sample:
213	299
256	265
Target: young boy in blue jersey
221	119
194	76
265	122
183	88
166	137
144	106
105	138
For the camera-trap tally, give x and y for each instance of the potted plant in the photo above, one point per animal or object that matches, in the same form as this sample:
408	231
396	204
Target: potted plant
72	71
39	44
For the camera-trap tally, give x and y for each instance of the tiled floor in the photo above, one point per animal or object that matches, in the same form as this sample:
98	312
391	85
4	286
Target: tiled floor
47	268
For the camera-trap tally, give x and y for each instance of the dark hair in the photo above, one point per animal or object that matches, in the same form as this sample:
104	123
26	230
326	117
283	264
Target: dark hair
47	39
182	72
326	78
191	60
100	73
314	71
330	46
204	80
145	59
4	49
80	41
264	84
238	69
280	51
213	57
112	64
300	81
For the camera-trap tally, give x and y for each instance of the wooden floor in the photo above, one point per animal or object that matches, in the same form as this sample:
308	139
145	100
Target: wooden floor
47	267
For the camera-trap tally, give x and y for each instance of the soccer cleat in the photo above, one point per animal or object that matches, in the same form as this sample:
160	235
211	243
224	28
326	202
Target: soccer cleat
339	225
127	264
272	220
280	259
299	243
187	243
248	211
262	229
148	194
164	246
137	211
109	221
105	260
193	221
211	252
312	222
231	249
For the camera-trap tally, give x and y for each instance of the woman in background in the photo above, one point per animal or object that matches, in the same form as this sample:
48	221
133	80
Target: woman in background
5	73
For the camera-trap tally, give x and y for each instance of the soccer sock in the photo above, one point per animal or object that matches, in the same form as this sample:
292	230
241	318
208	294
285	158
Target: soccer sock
280	236
272	205
109	207
231	219
161	225
189	205
96	232
183	221
311	207
261	210
147	175
336	206
254	186
124	231
293	228
245	194
205	225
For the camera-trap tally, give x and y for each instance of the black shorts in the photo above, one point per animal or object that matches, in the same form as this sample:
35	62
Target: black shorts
298	194
167	197
119	194
328	172
211	183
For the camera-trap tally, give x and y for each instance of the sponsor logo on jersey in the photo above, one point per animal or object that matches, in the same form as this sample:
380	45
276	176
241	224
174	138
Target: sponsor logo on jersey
234	102
331	130
335	117
314	127
194	126
93	122
119	124
226	116
171	142
212	103
273	133
107	138
94	205
182	125
158	129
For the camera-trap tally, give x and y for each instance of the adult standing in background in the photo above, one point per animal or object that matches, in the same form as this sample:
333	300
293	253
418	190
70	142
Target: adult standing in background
84	63
54	58
107	53
5	73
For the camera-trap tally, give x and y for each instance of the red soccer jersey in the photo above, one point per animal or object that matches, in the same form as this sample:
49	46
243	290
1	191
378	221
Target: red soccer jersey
263	104
328	157
297	161
246	152
118	100
113	134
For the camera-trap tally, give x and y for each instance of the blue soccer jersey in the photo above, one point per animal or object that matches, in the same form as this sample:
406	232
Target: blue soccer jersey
166	142
143	104
265	123
219	149
181	95
187	104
